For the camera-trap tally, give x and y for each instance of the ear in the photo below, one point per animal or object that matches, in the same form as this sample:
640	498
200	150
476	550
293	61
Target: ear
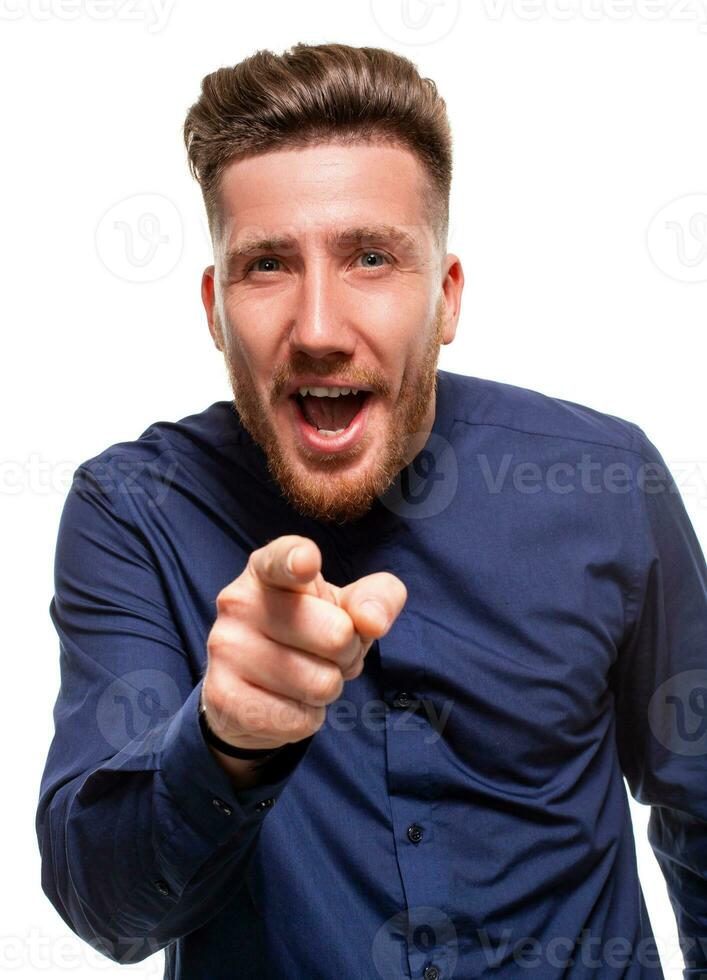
208	295
452	288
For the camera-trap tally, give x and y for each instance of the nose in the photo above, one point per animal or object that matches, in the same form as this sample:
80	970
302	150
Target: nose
321	325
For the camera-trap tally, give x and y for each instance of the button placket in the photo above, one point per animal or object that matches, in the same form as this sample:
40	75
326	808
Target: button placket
411	755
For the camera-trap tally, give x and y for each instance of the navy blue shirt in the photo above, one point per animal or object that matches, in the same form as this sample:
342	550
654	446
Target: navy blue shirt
462	811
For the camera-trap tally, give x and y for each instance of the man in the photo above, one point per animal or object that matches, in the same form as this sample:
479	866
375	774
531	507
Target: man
258	771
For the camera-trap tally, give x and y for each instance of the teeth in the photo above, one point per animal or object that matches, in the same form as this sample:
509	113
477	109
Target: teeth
327	392
330	432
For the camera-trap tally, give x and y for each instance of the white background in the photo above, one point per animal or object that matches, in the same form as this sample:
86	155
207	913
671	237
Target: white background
575	125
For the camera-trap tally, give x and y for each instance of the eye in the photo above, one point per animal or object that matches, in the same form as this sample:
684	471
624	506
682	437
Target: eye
263	258
373	254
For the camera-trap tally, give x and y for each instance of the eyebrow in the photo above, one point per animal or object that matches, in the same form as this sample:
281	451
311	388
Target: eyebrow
357	235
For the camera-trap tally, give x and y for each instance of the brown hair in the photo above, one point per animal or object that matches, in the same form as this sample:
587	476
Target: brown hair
316	94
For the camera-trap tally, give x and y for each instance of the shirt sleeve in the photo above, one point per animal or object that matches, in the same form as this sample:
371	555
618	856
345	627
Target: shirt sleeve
660	689
141	834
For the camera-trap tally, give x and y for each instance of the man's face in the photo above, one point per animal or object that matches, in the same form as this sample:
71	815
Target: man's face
311	286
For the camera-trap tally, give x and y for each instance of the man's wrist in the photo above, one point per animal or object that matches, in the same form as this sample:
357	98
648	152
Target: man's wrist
232	751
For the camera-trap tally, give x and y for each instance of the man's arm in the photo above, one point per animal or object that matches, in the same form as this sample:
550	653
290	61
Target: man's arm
660	686
144	833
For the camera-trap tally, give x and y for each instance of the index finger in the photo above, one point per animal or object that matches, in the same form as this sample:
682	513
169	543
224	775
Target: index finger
290	562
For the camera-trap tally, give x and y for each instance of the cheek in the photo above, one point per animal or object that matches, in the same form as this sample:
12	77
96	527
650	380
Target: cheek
249	341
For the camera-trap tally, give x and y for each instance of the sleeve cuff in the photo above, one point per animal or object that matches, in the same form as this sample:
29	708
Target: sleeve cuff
202	789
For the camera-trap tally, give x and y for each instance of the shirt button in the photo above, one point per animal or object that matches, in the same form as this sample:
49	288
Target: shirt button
431	973
264	804
415	833
162	887
402	700
222	806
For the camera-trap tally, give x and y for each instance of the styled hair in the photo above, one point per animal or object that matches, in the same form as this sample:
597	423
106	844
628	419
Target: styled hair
314	94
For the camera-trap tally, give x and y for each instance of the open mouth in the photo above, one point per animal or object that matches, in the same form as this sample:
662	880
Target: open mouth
329	425
331	416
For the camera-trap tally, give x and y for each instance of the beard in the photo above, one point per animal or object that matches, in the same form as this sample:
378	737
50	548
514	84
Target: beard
321	485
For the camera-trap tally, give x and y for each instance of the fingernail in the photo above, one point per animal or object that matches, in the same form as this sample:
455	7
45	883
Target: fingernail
290	562
373	607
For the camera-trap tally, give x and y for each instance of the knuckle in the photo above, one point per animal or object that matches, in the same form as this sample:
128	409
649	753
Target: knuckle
235	603
298	724
226	601
325	683
218	642
309	720
229	643
299	730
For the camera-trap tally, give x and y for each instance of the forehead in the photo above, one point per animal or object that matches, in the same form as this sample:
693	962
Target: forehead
313	190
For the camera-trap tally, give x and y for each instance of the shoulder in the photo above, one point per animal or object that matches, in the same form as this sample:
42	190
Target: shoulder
484	402
213	430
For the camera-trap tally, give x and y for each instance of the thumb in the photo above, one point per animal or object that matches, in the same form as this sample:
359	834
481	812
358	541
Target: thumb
373	602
